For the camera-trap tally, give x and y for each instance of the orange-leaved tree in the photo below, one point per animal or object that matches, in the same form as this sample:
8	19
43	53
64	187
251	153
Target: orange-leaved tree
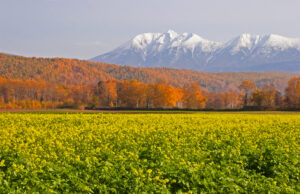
133	94
247	87
162	95
193	97
292	93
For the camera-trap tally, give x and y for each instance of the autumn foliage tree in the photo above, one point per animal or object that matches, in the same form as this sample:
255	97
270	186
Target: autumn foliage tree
38	94
268	96
193	98
107	92
247	88
292	93
222	100
162	95
133	94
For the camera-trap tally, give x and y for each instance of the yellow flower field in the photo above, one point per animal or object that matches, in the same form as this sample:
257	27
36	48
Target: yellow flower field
162	153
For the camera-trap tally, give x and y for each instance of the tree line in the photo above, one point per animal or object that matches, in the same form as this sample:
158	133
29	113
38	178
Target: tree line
17	94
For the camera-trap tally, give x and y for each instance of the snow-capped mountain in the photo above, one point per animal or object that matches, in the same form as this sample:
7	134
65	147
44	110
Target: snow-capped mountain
191	51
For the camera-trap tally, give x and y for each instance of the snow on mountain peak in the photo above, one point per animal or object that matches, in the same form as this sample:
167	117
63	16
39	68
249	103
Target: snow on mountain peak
193	40
244	41
142	40
172	34
281	42
191	51
250	42
170	39
187	40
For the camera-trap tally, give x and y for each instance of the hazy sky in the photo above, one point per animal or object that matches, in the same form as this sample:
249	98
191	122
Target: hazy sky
86	28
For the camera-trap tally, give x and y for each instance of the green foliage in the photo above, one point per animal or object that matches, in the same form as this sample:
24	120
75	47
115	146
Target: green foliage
161	153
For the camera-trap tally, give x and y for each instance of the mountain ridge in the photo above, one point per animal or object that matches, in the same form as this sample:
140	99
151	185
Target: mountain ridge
191	51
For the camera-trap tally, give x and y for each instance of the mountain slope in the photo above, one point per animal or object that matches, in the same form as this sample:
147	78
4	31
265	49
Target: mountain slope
190	51
77	72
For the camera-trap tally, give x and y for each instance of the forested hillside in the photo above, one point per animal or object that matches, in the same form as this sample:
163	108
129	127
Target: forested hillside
73	72
49	83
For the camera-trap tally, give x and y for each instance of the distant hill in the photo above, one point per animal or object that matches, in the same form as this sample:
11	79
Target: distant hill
79	72
245	53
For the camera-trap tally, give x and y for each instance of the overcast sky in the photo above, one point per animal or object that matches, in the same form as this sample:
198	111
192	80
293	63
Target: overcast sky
86	28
